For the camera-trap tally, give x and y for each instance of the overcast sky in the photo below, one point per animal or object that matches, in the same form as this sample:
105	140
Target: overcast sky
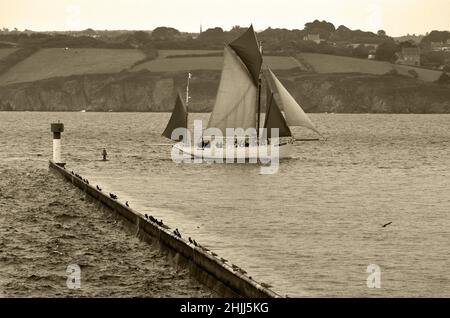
397	17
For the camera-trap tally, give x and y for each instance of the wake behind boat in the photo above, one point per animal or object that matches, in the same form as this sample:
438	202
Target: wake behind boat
238	107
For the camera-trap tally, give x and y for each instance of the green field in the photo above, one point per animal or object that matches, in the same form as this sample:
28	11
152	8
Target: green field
163	64
323	63
56	62
6	52
164	53
48	63
424	74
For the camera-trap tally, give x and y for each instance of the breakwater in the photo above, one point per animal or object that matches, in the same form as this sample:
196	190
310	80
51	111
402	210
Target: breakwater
223	278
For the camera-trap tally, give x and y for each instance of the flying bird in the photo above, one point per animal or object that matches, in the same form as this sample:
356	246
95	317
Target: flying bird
387	224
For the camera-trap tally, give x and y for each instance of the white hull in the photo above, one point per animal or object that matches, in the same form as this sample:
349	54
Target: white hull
283	150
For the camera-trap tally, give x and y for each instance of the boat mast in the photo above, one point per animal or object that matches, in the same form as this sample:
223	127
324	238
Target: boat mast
258	112
187	89
187	96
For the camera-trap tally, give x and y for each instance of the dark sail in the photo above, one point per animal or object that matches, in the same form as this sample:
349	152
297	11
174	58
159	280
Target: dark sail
246	47
274	118
178	118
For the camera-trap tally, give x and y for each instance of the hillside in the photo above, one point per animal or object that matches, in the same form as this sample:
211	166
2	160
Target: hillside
6	52
125	80
323	63
55	62
208	63
150	91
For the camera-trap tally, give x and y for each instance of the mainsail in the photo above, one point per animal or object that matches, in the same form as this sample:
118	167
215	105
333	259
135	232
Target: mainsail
235	105
274	118
295	116
178	118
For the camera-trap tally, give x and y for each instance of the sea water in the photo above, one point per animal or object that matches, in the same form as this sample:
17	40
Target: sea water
313	228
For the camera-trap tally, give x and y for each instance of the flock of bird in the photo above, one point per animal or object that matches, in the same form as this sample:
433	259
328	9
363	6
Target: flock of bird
177	233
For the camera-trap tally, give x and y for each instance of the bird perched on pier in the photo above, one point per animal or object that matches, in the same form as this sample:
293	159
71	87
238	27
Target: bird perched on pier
113	196
195	243
265	285
98	188
387	224
71	172
190	240
126	203
87	181
151	218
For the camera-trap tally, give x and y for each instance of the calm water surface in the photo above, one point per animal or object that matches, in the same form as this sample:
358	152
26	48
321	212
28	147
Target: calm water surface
309	230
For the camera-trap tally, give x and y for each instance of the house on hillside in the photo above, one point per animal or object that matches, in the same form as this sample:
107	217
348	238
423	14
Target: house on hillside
439	46
313	37
370	46
410	56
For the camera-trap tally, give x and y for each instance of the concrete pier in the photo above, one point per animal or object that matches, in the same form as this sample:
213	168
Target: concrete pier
208	269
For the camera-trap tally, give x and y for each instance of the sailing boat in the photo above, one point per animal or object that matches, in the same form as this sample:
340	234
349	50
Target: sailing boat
238	105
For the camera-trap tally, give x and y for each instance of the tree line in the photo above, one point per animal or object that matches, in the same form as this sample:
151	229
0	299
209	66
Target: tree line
337	41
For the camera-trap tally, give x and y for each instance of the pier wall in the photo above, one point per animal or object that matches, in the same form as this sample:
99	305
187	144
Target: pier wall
208	269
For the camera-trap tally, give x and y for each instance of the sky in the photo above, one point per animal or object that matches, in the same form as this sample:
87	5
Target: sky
396	17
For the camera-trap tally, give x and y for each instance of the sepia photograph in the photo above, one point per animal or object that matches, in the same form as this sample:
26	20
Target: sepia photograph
201	153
